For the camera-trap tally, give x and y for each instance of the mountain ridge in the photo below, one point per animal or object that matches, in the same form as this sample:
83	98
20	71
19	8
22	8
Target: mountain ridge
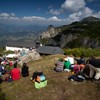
85	33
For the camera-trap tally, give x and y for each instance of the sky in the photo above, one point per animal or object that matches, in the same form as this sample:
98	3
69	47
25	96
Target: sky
45	12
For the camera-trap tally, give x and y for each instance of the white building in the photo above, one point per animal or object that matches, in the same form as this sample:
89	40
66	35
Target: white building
19	45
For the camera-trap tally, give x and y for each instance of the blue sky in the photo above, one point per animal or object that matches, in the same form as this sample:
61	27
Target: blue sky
45	12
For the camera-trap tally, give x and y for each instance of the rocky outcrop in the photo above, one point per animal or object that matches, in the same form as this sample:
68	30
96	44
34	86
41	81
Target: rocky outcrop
29	56
91	43
72	41
50	32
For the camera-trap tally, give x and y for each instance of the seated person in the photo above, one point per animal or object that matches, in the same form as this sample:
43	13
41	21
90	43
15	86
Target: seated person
15	73
80	61
59	65
66	64
24	70
86	72
71	59
76	68
94	65
2	69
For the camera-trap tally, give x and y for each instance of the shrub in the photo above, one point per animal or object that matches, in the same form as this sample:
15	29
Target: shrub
86	52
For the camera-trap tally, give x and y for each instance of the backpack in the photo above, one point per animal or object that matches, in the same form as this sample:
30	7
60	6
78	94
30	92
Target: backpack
40	80
38	76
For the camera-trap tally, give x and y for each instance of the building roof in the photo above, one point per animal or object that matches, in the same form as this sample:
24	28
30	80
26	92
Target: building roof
26	44
49	50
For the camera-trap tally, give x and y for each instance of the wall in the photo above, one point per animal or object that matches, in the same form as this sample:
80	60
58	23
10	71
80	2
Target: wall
14	48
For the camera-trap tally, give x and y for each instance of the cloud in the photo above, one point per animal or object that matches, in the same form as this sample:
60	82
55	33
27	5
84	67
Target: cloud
32	18
4	15
26	20
12	14
70	6
81	14
14	18
97	14
54	18
73	5
56	12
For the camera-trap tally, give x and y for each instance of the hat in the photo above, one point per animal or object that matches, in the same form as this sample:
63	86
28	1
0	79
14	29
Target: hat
65	59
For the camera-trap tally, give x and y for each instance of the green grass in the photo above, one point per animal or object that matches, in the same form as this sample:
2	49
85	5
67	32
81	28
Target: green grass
58	88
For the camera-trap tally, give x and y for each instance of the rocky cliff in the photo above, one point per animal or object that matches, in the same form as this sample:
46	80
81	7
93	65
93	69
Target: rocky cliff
50	32
85	33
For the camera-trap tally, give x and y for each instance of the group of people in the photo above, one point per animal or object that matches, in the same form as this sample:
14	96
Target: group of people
12	73
89	68
68	64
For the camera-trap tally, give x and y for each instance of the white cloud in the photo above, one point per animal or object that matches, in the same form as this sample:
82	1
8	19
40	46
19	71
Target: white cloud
81	14
26	20
12	14
69	5
56	12
4	15
14	18
54	18
9	17
97	14
33	18
73	5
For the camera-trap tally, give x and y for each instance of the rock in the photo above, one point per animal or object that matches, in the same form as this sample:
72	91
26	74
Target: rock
30	56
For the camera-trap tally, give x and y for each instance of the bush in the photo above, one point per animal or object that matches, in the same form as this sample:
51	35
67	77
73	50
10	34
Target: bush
86	52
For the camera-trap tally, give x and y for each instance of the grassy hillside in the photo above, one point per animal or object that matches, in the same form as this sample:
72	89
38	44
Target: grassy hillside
91	29
58	88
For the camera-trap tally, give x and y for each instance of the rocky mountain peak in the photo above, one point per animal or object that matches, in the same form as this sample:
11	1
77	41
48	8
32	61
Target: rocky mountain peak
50	27
90	19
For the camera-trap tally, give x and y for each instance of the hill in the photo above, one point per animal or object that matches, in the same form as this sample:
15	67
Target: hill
85	33
58	88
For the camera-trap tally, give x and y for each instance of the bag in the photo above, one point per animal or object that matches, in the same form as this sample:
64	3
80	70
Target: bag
42	78
41	84
38	76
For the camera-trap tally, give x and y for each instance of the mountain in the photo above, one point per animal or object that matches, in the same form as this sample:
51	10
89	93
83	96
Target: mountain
85	33
12	28
12	32
90	19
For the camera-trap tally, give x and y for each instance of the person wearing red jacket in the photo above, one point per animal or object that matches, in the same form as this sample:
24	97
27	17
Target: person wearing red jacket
15	73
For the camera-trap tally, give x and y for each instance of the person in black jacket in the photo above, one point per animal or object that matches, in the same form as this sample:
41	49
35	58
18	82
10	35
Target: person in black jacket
81	60
25	70
94	65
